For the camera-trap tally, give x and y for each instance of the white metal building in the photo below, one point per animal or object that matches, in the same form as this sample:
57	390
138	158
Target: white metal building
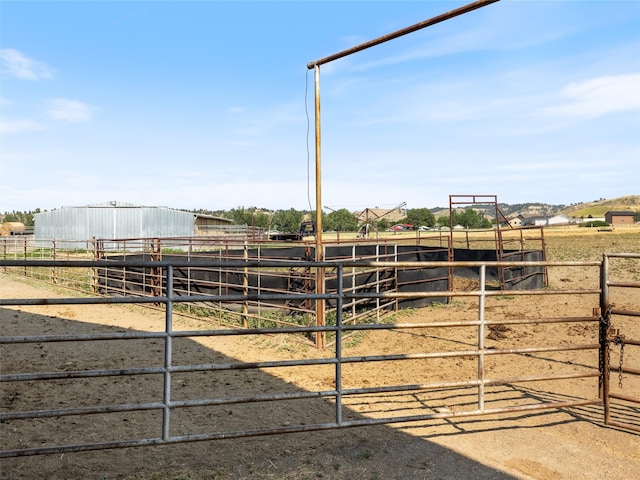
119	220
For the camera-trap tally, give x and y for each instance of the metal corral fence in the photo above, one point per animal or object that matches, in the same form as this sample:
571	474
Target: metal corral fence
427	247
199	277
277	275
66	388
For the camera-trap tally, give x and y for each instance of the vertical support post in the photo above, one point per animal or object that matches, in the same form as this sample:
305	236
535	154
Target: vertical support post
319	257
604	335
354	287
377	284
190	254
168	352
543	246
259	282
500	252
395	273
54	276
94	271
339	303
24	248
245	287
481	325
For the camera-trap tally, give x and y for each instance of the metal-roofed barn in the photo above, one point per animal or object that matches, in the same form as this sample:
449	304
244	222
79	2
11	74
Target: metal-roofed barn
120	220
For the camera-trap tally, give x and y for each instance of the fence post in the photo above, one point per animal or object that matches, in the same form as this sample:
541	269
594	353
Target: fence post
605	317
24	248
54	276
168	352
481	325
339	303
245	287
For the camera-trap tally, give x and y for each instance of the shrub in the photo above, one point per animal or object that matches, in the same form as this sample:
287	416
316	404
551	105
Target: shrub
594	223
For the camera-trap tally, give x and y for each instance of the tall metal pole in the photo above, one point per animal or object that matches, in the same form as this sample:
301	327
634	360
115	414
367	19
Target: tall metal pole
318	167
320	311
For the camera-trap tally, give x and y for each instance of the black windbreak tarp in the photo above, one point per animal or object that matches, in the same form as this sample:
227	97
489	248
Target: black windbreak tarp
229	281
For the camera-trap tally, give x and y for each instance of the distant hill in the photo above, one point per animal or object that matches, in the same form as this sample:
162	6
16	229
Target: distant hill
529	209
595	209
600	207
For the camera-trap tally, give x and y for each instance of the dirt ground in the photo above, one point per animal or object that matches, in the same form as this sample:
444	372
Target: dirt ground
565	443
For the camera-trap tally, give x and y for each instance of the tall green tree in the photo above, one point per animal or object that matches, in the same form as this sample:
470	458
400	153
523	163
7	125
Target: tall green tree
471	218
382	224
341	220
420	217
27	218
261	219
443	221
240	215
249	216
468	218
287	220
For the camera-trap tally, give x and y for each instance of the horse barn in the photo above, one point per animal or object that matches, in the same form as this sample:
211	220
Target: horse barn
122	220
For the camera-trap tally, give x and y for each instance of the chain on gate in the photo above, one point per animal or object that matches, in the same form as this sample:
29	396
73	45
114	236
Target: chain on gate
616	339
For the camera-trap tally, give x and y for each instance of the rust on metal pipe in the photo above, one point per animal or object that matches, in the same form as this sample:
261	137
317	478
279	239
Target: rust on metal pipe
399	33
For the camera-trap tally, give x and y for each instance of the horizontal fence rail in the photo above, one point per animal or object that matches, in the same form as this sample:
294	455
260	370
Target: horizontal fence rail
482	383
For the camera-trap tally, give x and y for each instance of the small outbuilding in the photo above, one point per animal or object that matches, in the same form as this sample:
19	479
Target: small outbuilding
624	217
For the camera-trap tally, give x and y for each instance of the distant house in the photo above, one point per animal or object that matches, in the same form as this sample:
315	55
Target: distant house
619	218
558	220
532	220
542	221
401	227
515	222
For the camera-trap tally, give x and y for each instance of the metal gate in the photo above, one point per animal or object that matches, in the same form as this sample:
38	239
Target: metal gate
597	369
620	339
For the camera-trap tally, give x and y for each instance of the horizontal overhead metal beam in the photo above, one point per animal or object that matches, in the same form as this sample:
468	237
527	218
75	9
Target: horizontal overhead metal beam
418	26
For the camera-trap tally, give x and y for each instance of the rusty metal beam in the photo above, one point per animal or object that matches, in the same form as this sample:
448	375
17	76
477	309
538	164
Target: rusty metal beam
405	31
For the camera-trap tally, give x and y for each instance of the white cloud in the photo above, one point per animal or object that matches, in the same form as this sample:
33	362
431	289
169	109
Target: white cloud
15	64
600	96
18	126
70	110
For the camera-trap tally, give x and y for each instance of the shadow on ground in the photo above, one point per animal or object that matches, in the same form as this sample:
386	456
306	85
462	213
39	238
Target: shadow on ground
371	452
363	452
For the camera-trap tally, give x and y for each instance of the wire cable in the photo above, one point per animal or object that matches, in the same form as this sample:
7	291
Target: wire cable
306	111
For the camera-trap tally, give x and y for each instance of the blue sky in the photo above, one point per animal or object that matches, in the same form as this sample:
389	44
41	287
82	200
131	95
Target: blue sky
208	104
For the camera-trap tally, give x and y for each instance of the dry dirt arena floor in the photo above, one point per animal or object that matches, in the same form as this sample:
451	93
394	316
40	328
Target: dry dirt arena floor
566	443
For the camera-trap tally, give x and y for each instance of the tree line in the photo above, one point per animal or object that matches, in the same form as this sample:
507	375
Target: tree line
341	220
25	218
